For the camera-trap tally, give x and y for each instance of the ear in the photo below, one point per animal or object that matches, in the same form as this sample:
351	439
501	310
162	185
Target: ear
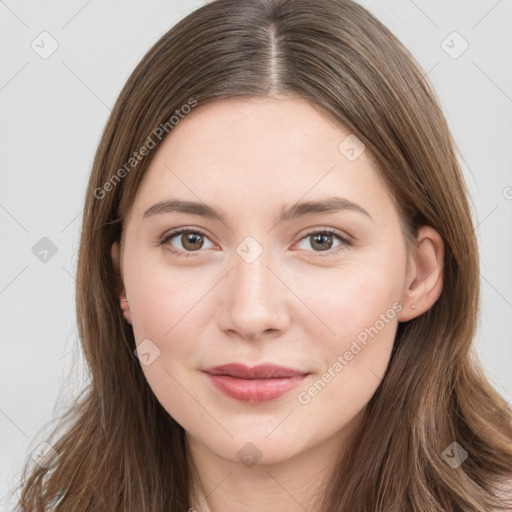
123	301
424	276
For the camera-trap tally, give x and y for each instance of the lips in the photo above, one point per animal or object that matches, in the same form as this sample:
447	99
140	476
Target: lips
260	383
262	371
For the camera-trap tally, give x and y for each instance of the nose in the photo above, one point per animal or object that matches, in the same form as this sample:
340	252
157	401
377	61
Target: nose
255	302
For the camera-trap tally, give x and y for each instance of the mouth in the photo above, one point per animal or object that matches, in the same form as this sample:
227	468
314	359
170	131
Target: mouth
260	383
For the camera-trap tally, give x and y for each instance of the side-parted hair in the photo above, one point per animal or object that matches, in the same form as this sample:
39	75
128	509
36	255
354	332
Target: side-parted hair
118	449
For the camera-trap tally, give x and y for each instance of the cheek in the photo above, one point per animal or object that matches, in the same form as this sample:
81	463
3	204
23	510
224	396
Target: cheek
356	299
164	303
177	392
166	312
365	328
360	315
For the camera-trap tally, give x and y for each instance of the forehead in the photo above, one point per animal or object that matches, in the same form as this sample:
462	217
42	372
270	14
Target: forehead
250	153
259	127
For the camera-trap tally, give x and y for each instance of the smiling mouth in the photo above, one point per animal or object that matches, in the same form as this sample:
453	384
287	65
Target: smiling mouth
261	383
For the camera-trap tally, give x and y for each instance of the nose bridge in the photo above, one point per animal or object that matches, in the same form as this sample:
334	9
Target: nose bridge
252	280
251	261
252	277
254	300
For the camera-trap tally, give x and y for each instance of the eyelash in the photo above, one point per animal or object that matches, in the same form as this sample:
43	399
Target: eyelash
186	254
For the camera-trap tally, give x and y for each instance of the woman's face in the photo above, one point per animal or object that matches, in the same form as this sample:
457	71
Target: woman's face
273	277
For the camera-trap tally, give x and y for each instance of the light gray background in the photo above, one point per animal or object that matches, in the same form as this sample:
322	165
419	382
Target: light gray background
53	111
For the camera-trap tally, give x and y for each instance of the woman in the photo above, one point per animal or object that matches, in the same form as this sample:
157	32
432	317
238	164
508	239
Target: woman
277	286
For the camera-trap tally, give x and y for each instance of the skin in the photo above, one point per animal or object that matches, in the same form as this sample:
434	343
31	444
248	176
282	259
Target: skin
296	305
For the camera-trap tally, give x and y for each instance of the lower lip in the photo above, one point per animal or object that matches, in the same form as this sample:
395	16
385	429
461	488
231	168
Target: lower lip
255	390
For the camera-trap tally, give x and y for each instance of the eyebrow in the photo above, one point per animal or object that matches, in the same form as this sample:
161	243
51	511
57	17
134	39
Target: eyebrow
327	205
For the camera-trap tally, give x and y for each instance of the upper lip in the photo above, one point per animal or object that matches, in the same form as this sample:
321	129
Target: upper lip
261	371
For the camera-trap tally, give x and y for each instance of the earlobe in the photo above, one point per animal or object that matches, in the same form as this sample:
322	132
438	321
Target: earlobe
115	254
424	280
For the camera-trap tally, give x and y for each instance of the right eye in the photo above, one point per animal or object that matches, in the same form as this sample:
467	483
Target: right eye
189	241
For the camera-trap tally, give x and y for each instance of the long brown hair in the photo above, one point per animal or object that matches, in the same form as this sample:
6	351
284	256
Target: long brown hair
120	450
